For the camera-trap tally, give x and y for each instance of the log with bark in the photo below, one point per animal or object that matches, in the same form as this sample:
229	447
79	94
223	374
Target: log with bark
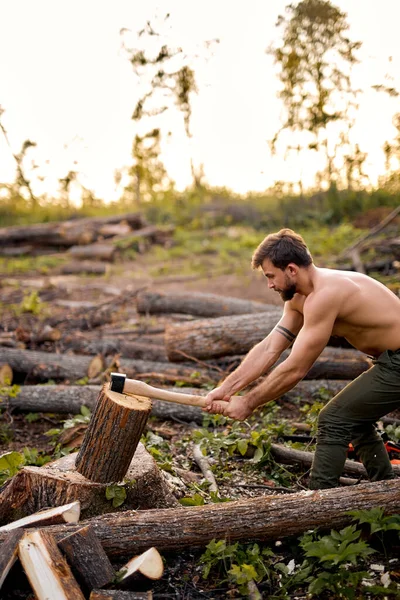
69	399
42	366
66	233
221	336
263	518
114	431
209	338
87	559
194	303
47	570
286	455
58	482
94	252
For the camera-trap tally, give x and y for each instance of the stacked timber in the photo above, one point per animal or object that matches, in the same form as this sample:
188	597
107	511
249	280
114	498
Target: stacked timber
93	239
73	566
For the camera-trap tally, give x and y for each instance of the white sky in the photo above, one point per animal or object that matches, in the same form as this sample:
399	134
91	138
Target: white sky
66	84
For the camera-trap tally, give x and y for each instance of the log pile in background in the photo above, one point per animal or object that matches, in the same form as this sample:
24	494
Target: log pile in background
93	239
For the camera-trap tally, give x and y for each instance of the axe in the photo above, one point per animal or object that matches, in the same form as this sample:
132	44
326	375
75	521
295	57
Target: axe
122	385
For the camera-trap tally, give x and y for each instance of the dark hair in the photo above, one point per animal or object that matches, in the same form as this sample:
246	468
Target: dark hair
282	248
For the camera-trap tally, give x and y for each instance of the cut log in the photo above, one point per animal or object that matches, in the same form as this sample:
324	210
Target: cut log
120	595
222	336
6	374
94	252
194	303
34	488
87	559
209	338
149	564
66	399
84	267
8	553
287	455
68	513
114	432
41	366
65	233
47	570
263	518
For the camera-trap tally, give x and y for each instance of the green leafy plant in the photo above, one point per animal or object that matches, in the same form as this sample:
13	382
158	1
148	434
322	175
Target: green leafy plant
10	463
159	450
116	493
83	417
239	564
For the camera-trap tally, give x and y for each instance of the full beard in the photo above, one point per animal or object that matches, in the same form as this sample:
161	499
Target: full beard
288	293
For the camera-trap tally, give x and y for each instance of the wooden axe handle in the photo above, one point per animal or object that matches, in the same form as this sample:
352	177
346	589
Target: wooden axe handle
133	386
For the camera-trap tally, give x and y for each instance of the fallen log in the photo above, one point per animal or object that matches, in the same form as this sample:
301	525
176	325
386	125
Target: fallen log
287	455
210	338
194	303
112	436
42	366
263	518
66	233
87	559
69	398
47	570
94	252
222	336
58	482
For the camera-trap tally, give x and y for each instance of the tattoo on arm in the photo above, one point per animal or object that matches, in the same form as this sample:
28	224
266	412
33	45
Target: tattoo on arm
286	333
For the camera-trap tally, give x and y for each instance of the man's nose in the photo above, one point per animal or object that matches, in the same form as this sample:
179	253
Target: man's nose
271	284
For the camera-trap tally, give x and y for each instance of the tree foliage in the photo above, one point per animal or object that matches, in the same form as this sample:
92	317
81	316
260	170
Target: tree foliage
315	60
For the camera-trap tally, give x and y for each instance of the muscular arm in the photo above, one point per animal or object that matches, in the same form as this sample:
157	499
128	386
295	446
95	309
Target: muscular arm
264	354
319	317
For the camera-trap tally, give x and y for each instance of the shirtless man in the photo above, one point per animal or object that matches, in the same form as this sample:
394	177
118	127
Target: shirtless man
320	303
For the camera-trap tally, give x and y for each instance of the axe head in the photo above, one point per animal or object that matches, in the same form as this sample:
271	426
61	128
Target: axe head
117	383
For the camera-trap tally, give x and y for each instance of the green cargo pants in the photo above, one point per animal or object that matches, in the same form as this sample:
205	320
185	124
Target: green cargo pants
350	417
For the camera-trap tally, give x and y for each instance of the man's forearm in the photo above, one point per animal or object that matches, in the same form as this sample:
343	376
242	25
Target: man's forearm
256	363
279	381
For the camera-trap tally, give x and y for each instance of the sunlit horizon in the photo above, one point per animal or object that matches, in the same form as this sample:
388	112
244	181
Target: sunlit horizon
69	87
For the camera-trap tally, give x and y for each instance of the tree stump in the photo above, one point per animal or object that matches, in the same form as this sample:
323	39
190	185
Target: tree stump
112	437
35	488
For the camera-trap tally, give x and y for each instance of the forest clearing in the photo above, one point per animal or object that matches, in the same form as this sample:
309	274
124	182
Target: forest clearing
199	300
64	331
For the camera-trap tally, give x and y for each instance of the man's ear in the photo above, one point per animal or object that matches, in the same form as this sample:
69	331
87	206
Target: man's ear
292	268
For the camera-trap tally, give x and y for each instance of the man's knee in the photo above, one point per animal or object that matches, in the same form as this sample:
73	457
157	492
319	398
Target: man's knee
333	427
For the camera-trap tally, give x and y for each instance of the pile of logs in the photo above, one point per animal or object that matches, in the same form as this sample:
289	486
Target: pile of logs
386	251
74	565
93	239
